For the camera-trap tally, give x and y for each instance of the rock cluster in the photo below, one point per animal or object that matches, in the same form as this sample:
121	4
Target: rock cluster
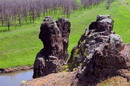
54	35
100	54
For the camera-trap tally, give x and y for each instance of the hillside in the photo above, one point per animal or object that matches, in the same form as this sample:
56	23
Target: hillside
18	46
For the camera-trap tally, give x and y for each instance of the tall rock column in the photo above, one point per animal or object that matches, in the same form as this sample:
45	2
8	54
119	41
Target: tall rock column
54	35
64	27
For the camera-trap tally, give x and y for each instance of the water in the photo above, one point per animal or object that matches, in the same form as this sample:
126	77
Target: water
15	78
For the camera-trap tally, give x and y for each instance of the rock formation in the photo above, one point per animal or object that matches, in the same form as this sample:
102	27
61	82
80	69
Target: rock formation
100	54
54	35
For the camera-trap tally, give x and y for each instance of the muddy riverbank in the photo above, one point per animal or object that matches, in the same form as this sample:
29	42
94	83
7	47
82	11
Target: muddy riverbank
14	69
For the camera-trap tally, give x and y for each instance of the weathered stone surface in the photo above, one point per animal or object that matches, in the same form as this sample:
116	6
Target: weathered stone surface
54	35
99	54
64	27
53	79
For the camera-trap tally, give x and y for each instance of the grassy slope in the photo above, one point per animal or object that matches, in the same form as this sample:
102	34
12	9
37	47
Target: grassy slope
19	47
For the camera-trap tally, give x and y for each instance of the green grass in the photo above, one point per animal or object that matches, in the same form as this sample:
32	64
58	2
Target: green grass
19	46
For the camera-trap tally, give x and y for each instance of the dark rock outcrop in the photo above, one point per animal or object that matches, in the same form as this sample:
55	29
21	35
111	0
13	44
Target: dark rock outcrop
54	35
100	54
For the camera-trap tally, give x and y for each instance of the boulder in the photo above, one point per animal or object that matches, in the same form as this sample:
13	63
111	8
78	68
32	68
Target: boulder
100	54
54	35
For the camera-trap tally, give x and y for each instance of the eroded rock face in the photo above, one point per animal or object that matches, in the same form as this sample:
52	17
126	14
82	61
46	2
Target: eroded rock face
99	54
64	27
54	35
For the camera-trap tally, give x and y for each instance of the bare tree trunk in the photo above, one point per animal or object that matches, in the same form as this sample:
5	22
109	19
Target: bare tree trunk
8	25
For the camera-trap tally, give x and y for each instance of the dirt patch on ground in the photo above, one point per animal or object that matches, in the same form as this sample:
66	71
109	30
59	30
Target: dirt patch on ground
115	81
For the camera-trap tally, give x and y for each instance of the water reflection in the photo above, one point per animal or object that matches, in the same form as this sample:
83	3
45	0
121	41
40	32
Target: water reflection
14	79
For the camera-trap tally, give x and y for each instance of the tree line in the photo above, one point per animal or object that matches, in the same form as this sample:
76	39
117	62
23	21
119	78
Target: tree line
88	3
27	11
19	12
